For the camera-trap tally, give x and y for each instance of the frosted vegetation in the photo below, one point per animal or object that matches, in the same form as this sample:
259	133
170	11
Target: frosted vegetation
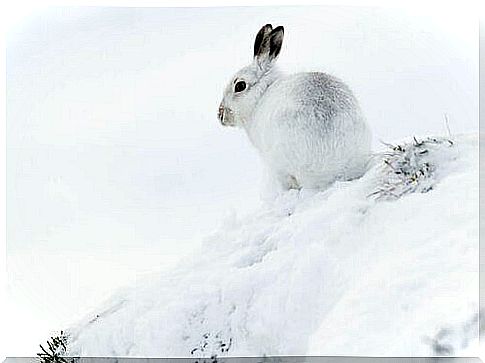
383	265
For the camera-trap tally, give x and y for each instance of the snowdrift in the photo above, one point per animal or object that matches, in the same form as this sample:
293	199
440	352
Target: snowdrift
383	265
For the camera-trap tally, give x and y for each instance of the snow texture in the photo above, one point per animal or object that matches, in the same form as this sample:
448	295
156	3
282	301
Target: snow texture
335	272
116	163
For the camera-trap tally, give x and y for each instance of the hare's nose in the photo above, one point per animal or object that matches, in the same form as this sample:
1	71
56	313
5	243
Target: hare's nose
220	113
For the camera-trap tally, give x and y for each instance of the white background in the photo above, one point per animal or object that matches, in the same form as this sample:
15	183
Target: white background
117	164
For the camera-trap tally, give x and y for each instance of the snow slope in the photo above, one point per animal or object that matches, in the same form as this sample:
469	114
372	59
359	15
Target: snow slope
336	272
116	162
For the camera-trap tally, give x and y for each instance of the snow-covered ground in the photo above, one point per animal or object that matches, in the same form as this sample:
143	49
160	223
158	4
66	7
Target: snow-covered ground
117	165
318	273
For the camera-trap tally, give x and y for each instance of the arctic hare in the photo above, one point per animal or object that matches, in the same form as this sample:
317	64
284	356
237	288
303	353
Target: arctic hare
307	127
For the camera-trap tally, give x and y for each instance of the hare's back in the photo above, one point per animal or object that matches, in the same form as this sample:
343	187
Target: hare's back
312	93
317	91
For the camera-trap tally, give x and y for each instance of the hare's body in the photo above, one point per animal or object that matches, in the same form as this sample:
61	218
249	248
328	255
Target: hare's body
309	131
307	127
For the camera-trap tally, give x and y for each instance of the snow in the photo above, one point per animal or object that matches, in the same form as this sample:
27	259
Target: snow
117	165
334	272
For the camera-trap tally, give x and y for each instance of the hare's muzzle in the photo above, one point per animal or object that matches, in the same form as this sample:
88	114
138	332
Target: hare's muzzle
220	113
225	115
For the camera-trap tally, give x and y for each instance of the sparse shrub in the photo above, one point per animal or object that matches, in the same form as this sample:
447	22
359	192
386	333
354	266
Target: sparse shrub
212	344
55	351
408	168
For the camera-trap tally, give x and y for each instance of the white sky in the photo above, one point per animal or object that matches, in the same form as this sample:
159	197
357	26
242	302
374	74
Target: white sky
116	162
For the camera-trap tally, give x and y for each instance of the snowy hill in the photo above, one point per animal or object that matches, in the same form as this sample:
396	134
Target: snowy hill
383	265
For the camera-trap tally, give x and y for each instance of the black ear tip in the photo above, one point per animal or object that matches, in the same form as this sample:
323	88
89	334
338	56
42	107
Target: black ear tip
279	28
266	28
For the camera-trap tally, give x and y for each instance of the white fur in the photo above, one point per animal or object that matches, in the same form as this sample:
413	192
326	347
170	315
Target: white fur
307	127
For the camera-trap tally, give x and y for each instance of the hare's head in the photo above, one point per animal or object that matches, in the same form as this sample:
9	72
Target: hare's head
248	85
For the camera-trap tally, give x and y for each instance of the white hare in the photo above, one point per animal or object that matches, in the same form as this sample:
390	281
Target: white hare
307	127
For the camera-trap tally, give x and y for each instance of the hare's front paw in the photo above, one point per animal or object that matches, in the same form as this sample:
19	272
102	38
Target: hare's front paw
289	182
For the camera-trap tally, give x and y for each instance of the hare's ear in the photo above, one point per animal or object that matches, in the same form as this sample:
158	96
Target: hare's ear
275	42
261	43
267	45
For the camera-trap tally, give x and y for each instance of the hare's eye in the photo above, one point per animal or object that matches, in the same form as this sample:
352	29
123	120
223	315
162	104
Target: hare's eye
240	86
